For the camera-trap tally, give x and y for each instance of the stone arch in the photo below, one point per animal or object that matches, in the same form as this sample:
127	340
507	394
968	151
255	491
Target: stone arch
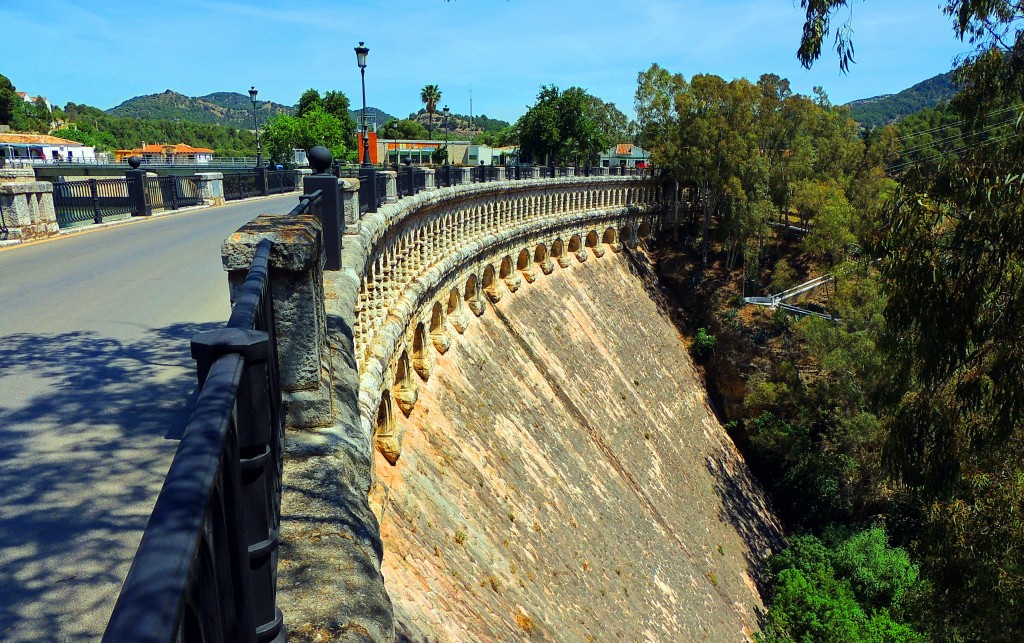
591	242
507	274
626	235
455	316
576	248
406	390
422	361
437	333
490	284
558	253
473	299
542	257
644	230
384	430
524	266
610	239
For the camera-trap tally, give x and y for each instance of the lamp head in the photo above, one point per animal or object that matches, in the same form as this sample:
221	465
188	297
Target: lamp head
361	52
252	94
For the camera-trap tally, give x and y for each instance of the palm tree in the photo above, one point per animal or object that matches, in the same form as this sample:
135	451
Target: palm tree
431	96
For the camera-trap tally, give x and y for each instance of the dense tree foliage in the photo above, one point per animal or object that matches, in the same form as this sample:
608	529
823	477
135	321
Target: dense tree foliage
754	151
404	129
319	120
564	127
936	451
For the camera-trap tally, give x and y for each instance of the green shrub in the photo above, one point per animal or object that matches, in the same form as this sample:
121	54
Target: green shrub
844	587
703	344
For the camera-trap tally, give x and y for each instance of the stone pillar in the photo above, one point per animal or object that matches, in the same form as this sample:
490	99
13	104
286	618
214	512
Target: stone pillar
300	175
428	183
300	324
211	187
570	171
26	209
350	204
464	174
392	189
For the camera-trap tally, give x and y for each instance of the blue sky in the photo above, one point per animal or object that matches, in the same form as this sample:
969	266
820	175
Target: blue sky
104	52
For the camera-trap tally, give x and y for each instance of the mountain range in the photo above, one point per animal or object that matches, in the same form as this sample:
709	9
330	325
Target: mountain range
222	108
888	108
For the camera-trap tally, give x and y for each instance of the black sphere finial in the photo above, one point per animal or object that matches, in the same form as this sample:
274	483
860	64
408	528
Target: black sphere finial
319	158
135	162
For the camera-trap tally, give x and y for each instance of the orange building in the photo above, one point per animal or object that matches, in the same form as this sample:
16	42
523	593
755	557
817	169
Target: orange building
169	154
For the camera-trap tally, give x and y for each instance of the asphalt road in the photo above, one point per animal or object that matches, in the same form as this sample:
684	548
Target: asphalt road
96	384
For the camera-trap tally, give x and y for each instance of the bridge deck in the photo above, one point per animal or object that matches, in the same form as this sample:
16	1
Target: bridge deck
95	377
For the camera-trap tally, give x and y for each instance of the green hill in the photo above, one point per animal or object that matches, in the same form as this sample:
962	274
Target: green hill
882	110
220	108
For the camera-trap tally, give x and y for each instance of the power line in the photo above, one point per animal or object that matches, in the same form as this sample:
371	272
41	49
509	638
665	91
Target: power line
939	154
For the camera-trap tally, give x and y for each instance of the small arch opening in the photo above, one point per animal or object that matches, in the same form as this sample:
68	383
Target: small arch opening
471	288
591	240
540	254
574	243
453	302
626	234
436	319
524	260
557	248
643	231
506	268
609	236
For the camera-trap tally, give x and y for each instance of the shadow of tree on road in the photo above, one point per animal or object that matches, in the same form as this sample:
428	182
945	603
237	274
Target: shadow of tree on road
88	427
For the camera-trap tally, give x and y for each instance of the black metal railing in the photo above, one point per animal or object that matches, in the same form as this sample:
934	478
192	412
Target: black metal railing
240	185
206	569
173	192
90	201
281	181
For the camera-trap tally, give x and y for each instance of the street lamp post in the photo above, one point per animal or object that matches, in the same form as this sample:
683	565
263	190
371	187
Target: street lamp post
446	112
256	123
361	52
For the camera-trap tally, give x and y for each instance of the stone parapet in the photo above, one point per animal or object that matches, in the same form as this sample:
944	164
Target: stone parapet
391	193
17	174
350	204
211	187
296	284
26	211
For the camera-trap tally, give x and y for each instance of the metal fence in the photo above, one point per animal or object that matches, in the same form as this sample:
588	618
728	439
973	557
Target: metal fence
91	201
206	569
240	185
281	181
172	192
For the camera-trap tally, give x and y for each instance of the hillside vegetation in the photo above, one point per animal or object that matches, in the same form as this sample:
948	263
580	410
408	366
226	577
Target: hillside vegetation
220	108
882	110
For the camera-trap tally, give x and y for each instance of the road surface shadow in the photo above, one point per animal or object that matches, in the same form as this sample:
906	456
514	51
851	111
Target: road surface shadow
88	427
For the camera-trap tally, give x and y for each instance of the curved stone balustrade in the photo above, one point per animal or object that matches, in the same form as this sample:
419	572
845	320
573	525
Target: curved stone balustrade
430	263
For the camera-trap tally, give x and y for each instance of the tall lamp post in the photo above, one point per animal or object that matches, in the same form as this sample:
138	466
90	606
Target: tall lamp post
256	123
361	52
446	112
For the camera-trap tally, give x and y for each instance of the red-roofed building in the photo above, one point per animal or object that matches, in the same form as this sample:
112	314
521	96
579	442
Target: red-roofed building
626	155
169	154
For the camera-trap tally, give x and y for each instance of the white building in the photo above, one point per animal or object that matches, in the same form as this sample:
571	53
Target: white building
43	148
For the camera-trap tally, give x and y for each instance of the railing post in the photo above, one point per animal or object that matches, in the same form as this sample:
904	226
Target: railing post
332	219
174	191
261	180
141	206
97	216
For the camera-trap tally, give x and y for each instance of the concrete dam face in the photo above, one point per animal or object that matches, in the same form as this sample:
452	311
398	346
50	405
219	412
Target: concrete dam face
563	478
